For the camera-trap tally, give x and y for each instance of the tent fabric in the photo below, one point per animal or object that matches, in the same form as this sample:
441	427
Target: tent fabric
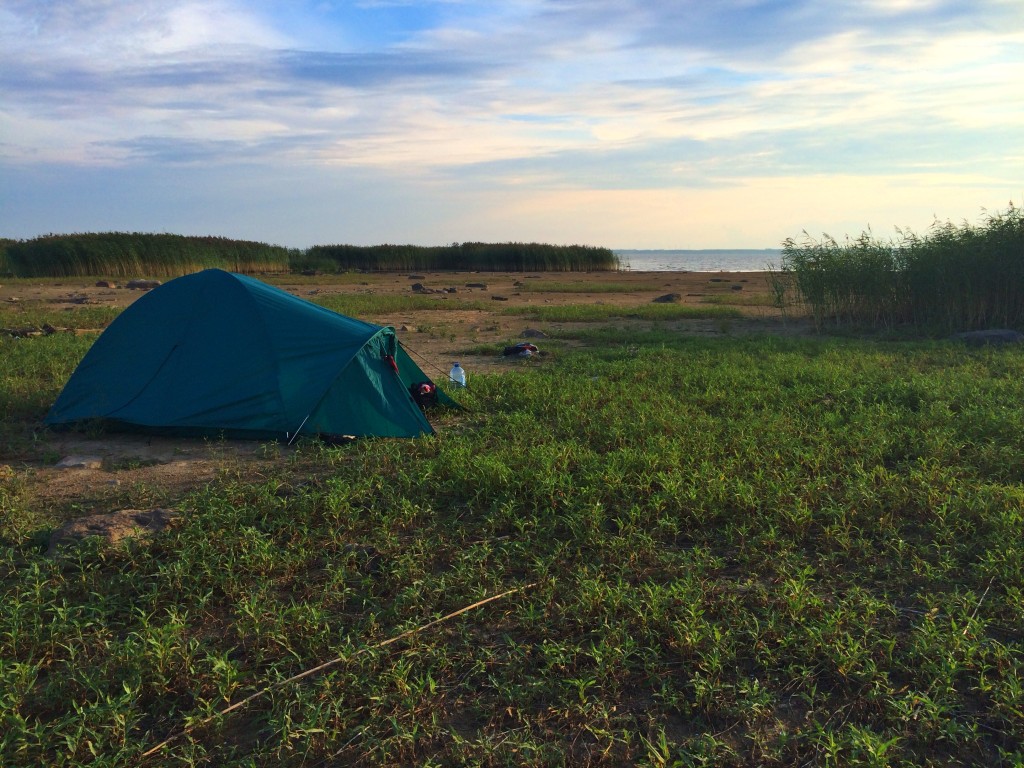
215	352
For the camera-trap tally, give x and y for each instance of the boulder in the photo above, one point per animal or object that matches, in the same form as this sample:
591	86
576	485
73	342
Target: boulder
106	284
668	298
533	333
141	285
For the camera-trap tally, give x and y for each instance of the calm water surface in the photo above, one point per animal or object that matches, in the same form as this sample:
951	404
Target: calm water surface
711	260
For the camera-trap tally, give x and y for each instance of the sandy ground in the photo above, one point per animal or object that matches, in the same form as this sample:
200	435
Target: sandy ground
134	472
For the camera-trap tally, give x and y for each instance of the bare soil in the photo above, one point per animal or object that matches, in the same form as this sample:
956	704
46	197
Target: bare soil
137	472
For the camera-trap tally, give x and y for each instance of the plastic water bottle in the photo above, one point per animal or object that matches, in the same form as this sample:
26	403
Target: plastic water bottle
457	375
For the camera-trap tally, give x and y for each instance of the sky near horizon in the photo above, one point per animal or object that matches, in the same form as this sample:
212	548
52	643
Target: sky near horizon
621	123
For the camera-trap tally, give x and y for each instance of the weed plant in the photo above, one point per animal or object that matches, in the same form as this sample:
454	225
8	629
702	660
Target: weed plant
953	279
760	551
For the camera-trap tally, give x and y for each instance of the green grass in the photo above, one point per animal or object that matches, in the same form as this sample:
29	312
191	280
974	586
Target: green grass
36	314
737	299
370	305
570	313
756	551
34	371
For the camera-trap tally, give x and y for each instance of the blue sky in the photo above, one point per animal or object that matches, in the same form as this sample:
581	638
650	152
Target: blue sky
647	124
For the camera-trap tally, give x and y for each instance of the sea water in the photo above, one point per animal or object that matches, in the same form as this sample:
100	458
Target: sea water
708	260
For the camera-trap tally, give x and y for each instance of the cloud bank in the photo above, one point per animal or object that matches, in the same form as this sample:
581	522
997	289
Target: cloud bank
629	124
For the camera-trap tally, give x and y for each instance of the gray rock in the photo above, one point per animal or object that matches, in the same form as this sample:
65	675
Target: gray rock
141	285
533	333
668	298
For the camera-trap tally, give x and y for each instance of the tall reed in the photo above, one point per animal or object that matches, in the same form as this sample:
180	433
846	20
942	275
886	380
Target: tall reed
514	257
120	254
5	265
952	279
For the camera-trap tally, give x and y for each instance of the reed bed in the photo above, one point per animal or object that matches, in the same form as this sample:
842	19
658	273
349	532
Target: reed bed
483	257
117	254
955	278
5	265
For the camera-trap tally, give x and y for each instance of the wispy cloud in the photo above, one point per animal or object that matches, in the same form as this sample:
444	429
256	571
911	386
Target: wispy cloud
552	95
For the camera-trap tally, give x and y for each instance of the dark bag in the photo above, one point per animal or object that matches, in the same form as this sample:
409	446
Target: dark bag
424	393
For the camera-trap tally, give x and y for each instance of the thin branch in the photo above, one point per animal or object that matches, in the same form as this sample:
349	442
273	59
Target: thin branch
331	663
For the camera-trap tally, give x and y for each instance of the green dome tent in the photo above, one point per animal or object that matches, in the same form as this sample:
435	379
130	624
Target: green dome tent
215	353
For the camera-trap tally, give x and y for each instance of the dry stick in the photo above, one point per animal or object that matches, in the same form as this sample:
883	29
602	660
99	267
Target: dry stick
978	606
331	663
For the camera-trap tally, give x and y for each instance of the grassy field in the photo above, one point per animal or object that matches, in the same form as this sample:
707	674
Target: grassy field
726	551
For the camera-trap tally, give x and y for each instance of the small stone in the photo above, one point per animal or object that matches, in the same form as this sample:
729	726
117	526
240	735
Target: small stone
80	462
